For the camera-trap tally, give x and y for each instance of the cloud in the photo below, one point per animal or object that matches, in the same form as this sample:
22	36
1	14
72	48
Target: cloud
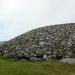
19	16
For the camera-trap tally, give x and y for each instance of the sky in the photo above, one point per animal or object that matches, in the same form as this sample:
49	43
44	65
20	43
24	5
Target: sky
20	16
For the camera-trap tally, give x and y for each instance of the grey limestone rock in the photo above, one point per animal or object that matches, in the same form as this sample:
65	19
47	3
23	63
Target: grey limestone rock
54	41
35	59
67	61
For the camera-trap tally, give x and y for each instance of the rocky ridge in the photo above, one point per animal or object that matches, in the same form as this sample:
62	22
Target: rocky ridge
49	42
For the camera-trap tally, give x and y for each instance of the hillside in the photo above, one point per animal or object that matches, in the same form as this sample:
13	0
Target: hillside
49	42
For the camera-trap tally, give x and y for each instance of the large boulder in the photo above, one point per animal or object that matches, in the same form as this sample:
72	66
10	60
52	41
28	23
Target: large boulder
45	57
67	61
35	59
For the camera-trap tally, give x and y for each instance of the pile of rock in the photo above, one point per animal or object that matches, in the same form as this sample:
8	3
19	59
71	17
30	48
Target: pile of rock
68	61
56	42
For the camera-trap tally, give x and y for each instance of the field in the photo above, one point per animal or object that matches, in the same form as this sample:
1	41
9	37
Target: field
21	67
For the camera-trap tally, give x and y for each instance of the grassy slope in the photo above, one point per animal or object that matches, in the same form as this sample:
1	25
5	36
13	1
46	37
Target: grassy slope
2	42
9	67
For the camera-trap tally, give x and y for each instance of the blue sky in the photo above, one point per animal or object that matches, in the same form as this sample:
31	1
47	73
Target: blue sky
19	16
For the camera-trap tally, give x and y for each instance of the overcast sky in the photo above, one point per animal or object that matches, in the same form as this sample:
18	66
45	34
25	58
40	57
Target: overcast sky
19	16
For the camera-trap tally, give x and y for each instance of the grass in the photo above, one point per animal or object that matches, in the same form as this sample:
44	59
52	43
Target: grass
11	67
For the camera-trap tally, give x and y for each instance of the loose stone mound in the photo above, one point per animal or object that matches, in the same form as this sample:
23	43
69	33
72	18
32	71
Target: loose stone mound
50	42
68	61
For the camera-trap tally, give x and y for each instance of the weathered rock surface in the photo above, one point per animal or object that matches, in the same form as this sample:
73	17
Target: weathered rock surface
67	61
55	41
35	59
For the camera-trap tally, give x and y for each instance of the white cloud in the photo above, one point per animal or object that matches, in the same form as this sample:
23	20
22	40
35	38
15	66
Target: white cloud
19	16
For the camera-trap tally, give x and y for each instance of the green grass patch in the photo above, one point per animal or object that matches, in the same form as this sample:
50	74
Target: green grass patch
13	67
